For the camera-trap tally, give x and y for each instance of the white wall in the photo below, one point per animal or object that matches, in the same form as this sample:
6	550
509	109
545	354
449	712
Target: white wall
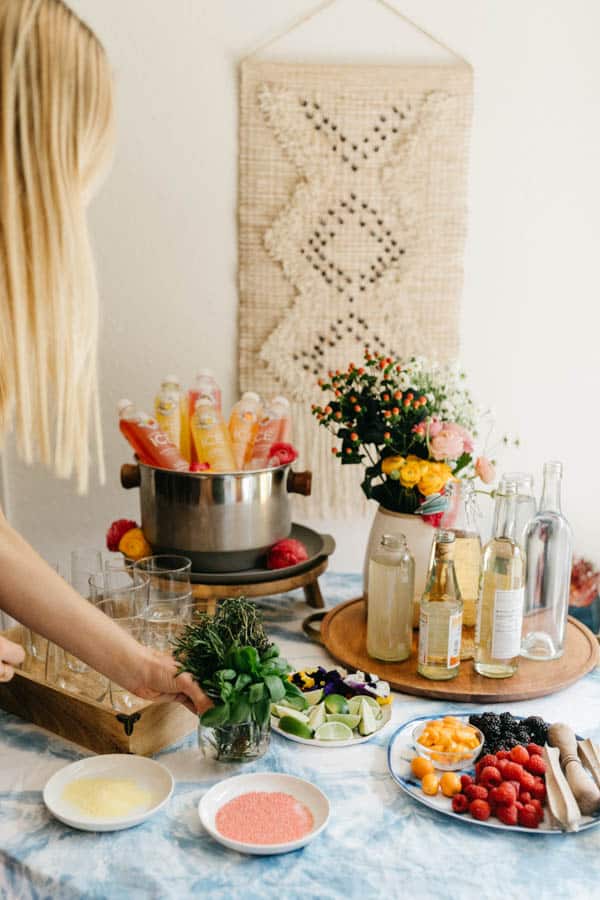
164	225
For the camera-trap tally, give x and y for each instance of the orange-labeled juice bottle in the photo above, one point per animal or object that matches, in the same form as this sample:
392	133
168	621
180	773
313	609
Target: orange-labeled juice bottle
243	426
211	437
149	442
205	385
167	409
273	427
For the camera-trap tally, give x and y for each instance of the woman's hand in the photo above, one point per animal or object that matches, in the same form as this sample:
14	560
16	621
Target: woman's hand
160	681
10	655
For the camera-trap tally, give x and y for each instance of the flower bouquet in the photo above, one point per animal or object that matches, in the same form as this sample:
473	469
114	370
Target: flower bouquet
411	425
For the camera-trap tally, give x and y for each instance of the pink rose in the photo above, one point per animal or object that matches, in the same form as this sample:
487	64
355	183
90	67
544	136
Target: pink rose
465	435
485	469
447	444
435	426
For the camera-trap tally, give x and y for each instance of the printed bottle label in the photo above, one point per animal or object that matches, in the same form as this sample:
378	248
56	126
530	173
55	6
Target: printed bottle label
508	623
454	638
423	628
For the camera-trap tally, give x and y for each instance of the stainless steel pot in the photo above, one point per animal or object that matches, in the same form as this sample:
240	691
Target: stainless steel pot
222	522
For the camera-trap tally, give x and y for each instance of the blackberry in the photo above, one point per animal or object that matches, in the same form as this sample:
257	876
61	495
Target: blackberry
537	728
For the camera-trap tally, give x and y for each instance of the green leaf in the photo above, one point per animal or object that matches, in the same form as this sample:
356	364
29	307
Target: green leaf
461	462
218	715
242	681
275	687
271	653
292	690
239	710
257	692
261	711
226	690
247	660
226	674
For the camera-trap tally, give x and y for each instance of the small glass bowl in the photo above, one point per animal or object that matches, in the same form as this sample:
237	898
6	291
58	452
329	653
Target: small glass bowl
447	761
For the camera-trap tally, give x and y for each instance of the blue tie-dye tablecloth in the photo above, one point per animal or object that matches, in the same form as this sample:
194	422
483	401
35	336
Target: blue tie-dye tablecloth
379	843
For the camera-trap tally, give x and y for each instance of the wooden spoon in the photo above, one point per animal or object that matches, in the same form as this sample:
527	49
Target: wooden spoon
585	791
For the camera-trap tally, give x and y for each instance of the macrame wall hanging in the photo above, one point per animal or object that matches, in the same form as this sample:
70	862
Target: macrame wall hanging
352	221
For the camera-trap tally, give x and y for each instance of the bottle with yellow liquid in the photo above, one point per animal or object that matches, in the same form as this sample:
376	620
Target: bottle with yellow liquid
501	593
211	437
440	620
243	427
167	409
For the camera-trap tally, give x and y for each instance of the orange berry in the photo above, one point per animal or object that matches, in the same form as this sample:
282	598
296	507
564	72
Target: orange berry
352	399
357	408
410	396
421	766
398	395
334	451
386	435
387	414
354	436
395	410
430	784
348	451
406	402
382	363
450	784
416	404
386	397
361	371
328	410
337	416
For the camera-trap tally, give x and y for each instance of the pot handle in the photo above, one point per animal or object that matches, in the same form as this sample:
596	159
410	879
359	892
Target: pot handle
130	476
299	483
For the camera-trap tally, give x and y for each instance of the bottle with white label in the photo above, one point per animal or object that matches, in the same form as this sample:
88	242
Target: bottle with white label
501	593
441	612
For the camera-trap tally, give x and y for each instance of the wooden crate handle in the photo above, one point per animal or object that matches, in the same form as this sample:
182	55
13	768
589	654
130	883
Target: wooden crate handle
130	475
299	483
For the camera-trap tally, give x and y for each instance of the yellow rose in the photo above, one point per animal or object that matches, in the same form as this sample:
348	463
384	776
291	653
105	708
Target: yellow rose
392	464
431	482
134	545
410	473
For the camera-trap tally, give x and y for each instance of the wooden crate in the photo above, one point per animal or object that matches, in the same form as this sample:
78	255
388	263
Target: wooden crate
148	729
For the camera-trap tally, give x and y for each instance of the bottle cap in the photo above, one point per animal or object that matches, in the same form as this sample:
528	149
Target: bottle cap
444	544
171	379
251	395
122	405
523	480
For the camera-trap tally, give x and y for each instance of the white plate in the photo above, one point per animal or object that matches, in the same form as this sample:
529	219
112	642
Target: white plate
400	753
147	774
227	790
349	742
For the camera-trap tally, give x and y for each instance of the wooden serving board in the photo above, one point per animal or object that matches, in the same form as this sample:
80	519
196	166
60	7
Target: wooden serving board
146	730
344	634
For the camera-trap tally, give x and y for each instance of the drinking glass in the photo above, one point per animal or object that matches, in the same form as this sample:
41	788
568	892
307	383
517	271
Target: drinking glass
123	596
84	563
58	672
170	597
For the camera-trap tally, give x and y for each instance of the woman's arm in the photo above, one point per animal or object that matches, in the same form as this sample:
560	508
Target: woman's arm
32	592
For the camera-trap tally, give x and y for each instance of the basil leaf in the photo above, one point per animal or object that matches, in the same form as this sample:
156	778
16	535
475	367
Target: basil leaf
272	652
218	715
247	659
239	710
256	692
261	711
292	690
242	681
226	674
275	687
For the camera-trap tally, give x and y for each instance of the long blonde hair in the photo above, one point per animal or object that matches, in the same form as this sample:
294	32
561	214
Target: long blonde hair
56	115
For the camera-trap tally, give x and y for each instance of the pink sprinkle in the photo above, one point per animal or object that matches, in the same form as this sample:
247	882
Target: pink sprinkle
264	818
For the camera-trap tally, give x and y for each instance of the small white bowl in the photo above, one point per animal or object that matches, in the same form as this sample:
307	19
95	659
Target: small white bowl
303	791
446	761
147	774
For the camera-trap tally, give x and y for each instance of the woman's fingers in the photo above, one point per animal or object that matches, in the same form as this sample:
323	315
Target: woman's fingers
11	653
6	672
186	685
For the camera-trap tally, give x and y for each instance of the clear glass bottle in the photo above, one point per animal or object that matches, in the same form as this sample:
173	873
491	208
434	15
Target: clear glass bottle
501	593
526	506
390	612
440	620
462	517
549	546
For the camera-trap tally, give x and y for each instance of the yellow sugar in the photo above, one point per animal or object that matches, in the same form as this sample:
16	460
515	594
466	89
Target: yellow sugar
106	798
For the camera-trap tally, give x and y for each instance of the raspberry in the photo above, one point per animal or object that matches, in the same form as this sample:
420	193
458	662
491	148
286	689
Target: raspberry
506	793
460	804
502	764
513	771
490	776
535	750
536	765
518	804
116	532
519	754
465	781
516	785
527	780
537	806
539	791
528	816
525	797
502	754
488	760
480	809
476	792
508	814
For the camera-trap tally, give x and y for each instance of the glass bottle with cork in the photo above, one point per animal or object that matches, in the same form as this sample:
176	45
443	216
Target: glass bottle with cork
390	612
501	594
440	620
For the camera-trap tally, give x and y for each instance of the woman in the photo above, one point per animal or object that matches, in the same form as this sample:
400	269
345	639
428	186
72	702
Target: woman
56	130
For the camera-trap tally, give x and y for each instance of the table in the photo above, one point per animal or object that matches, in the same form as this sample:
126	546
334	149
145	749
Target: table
379	843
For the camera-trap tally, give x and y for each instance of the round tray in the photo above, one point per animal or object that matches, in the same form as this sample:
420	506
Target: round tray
318	546
344	630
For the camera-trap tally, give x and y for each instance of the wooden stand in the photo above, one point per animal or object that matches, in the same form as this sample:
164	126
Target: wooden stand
308	581
344	632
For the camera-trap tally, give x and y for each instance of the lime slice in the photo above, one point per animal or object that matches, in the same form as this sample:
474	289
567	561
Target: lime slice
293	726
289	713
335	703
368	722
354	705
313	697
347	719
374	706
317	716
333	731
